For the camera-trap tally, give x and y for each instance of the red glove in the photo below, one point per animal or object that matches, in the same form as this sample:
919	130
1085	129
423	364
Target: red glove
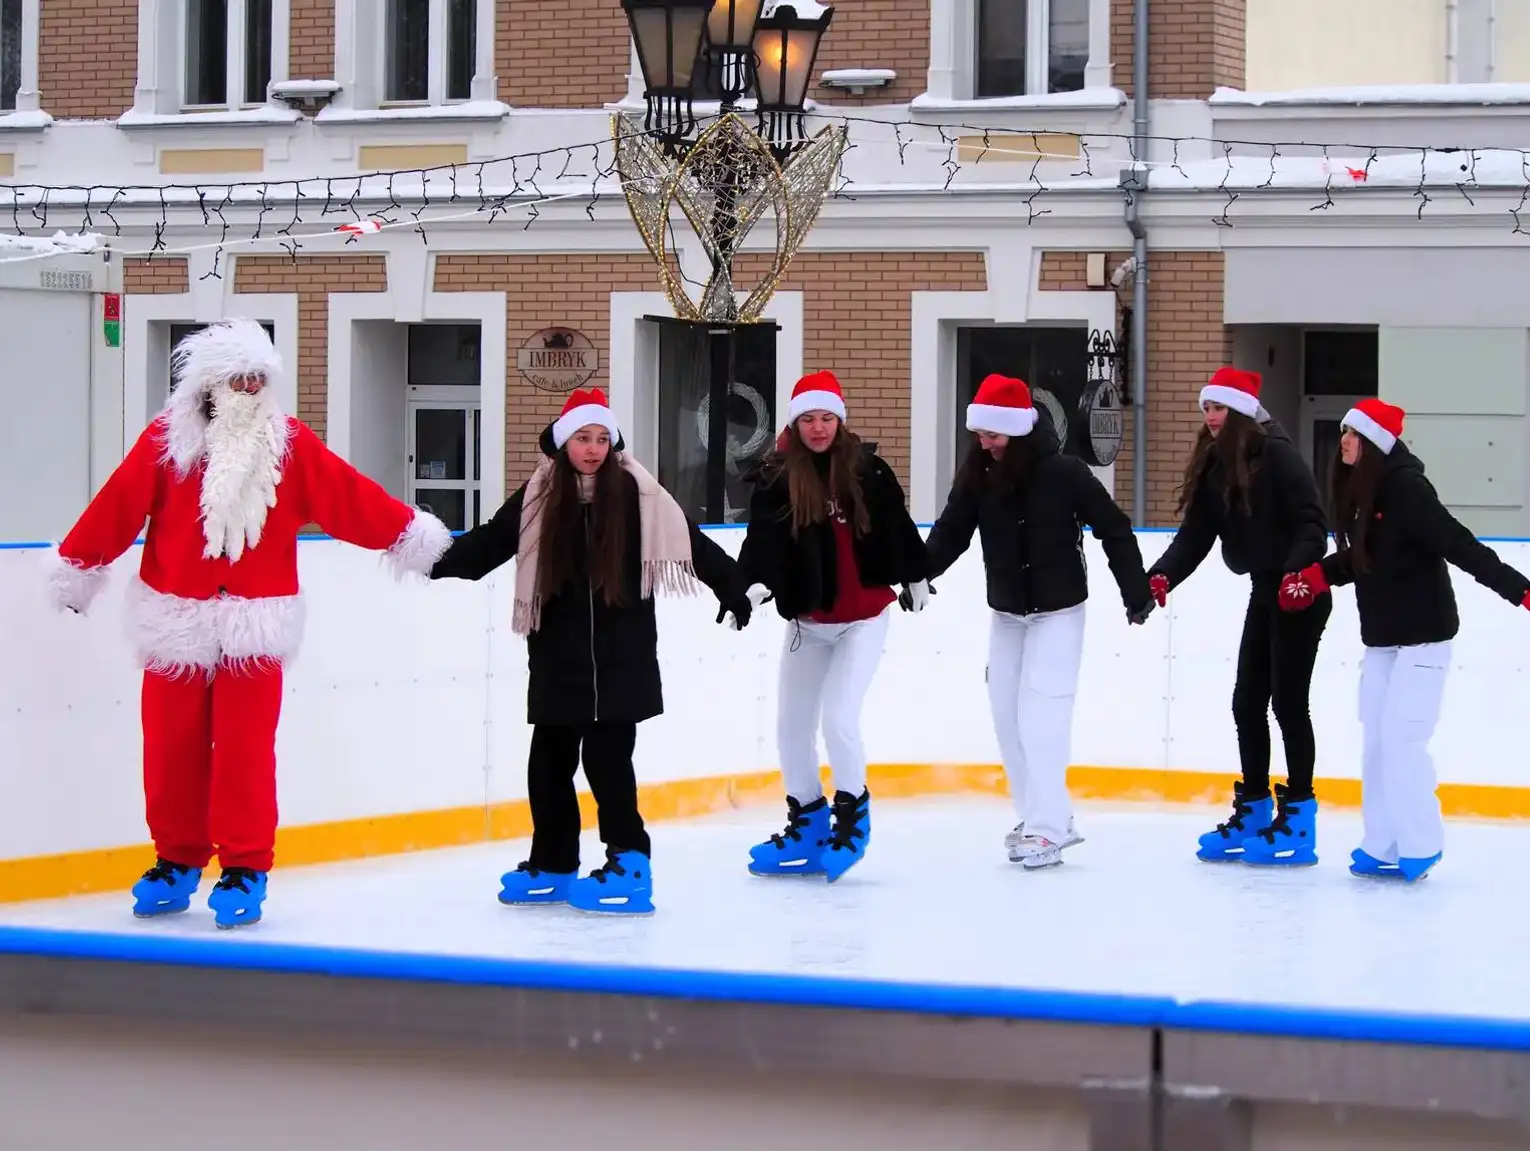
1299	589
1158	584
1525	603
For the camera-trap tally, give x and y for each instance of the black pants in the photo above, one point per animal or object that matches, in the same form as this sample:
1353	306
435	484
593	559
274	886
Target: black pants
1275	662
555	754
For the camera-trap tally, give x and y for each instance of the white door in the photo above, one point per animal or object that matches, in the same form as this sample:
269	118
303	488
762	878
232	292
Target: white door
1321	416
444	434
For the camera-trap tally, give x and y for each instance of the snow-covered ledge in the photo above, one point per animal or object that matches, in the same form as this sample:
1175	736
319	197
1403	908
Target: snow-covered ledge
1391	95
857	80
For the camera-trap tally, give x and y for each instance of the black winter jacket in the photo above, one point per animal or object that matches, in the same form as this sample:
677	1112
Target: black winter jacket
1033	542
1405	596
1285	530
800	572
589	661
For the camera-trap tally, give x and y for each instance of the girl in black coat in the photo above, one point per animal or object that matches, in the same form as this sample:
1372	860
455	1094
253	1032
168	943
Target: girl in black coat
1395	540
593	535
829	534
1028	502
1247	485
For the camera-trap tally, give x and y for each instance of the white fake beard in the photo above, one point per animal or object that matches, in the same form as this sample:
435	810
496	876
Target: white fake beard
244	449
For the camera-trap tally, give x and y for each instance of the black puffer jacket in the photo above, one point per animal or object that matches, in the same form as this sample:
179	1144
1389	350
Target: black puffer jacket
1405	596
801	572
1284	530
589	661
1033	540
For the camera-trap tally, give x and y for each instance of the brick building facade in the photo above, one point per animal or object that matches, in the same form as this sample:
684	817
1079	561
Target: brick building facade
856	301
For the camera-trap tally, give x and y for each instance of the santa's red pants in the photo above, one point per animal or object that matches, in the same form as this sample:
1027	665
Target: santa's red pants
209	764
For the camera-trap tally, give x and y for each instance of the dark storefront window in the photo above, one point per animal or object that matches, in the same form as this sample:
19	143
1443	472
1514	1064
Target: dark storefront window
1052	361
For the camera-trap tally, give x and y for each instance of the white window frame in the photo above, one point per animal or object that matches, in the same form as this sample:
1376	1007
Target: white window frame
160	92
466	398
361	55
954	54
27	96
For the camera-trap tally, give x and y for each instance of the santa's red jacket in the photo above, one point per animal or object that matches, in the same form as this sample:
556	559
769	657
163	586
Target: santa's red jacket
187	611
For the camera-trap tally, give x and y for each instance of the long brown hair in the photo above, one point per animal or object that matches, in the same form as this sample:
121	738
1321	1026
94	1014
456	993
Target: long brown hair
1352	500
562	523
1006	476
1234	448
806	491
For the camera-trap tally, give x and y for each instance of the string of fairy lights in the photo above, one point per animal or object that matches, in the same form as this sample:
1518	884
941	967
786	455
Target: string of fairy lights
295	214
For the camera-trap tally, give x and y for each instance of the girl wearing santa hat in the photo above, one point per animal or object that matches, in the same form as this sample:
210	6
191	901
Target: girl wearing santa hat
593	535
1395	540
1028	503
829	534
1248	486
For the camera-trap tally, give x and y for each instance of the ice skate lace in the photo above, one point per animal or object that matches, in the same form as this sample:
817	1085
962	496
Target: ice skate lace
165	871
237	877
1238	822
606	870
1280	825
847	827
792	831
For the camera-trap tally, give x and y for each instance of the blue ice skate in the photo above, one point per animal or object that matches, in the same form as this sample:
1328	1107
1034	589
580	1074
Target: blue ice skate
237	898
1224	843
165	889
798	849
1415	869
851	835
527	886
1291	838
1367	866
623	886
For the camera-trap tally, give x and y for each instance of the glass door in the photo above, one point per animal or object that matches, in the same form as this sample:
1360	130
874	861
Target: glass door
445	470
1321	417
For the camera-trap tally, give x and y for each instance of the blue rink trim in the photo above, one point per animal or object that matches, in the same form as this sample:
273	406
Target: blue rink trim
1078	1007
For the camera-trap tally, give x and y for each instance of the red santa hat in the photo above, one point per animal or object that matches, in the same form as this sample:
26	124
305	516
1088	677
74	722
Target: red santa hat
1003	406
584	408
816	392
1378	421
1236	389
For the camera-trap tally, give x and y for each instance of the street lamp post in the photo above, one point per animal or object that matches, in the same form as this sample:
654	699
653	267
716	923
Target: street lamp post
725	175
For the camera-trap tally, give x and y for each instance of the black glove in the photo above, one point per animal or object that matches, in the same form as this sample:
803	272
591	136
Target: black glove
1141	614
740	609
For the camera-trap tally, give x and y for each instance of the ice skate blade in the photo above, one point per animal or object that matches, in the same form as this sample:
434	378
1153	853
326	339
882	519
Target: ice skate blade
803	872
231	925
611	910
161	911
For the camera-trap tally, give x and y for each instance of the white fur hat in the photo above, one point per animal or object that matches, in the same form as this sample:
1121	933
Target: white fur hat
224	351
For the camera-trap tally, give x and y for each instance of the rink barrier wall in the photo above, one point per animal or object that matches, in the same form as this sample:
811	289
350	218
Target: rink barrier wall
1152	721
943	999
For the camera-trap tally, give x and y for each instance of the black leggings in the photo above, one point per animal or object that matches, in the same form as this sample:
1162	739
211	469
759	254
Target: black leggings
1275	661
554	761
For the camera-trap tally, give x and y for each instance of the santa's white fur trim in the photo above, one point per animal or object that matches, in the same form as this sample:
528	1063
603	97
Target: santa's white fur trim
571	421
72	584
1239	401
173	635
1002	421
422	543
805	402
1370	429
246	444
217	354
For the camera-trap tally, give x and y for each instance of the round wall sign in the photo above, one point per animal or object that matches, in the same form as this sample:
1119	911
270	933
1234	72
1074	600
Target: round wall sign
1102	423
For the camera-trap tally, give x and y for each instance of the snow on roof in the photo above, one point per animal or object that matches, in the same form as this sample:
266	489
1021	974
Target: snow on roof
1485	168
60	243
1392	94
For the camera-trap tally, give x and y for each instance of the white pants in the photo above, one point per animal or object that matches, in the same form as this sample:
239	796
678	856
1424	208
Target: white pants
1401	689
826	669
1033	664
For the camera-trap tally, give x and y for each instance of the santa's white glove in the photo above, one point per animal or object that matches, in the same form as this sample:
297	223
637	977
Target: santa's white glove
71	586
915	596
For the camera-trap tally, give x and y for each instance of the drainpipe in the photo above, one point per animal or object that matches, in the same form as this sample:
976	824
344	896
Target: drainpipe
1452	41
1136	182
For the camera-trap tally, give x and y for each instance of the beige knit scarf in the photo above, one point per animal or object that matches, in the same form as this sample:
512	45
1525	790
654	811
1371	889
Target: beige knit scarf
666	540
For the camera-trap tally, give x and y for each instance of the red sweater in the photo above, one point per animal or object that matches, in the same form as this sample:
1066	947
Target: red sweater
853	600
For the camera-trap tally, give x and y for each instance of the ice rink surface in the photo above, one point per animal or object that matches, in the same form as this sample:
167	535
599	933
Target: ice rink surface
936	902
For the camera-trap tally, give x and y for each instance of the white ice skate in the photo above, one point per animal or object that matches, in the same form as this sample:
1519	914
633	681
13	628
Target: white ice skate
1037	851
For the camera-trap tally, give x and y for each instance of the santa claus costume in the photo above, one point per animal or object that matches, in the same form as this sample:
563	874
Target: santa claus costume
226	480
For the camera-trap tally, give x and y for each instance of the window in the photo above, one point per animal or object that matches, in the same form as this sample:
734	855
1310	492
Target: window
228	52
1053	361
10	53
1031	47
415	71
444	422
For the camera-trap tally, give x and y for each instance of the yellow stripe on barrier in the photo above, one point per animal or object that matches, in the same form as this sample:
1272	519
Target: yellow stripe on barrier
115	869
